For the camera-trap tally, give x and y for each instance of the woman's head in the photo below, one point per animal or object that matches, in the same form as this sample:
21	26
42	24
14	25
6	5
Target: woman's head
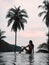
31	43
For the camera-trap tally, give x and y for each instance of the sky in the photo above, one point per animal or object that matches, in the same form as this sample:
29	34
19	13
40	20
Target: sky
35	29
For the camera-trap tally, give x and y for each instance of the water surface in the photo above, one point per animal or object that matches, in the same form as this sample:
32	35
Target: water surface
11	58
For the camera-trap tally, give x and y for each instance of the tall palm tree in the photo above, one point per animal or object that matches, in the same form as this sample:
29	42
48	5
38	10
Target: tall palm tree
45	7
17	16
1	35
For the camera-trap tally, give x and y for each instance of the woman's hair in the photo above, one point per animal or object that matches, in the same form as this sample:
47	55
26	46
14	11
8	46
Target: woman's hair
30	41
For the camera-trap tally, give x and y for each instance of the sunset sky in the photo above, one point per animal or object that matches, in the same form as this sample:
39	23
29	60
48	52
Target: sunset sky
35	29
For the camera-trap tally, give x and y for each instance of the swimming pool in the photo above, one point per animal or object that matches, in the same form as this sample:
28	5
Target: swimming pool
11	58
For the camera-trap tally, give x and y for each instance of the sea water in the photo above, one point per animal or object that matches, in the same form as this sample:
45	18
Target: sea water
12	58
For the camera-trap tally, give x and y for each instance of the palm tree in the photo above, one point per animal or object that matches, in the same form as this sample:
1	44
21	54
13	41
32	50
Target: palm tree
17	16
43	45
43	48
1	35
45	7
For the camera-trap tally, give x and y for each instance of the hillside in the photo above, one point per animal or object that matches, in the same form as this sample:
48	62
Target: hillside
6	47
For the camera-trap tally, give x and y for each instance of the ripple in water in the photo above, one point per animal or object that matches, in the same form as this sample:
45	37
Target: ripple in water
11	58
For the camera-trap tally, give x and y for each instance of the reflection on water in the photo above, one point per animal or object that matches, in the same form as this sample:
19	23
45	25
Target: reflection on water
31	59
48	59
24	59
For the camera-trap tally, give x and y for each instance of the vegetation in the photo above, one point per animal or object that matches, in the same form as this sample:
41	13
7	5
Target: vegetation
6	47
45	7
1	35
18	17
43	48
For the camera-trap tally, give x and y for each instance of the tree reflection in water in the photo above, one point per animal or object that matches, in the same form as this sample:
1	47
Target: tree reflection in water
1	60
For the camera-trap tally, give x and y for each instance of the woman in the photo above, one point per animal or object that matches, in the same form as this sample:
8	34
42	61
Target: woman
30	47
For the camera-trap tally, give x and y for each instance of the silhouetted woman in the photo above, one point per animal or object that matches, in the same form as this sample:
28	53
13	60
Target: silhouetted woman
30	47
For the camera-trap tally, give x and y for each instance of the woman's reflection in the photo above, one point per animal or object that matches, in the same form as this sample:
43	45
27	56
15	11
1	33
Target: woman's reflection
31	59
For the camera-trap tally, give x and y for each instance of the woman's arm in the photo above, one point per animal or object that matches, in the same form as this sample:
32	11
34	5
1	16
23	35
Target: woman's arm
27	46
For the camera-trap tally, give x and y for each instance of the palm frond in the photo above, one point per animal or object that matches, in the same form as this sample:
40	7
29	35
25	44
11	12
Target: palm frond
15	7
10	21
40	6
47	23
12	10
23	20
41	13
44	2
22	25
14	26
19	26
23	15
2	37
10	14
43	7
18	8
1	32
23	11
44	17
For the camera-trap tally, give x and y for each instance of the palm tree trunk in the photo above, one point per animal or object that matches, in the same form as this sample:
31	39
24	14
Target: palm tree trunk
48	32
15	40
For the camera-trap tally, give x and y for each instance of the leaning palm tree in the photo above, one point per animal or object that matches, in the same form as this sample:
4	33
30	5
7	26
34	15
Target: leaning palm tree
18	17
1	35
45	7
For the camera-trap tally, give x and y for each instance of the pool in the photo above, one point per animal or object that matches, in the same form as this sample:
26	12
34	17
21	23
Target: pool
11	58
